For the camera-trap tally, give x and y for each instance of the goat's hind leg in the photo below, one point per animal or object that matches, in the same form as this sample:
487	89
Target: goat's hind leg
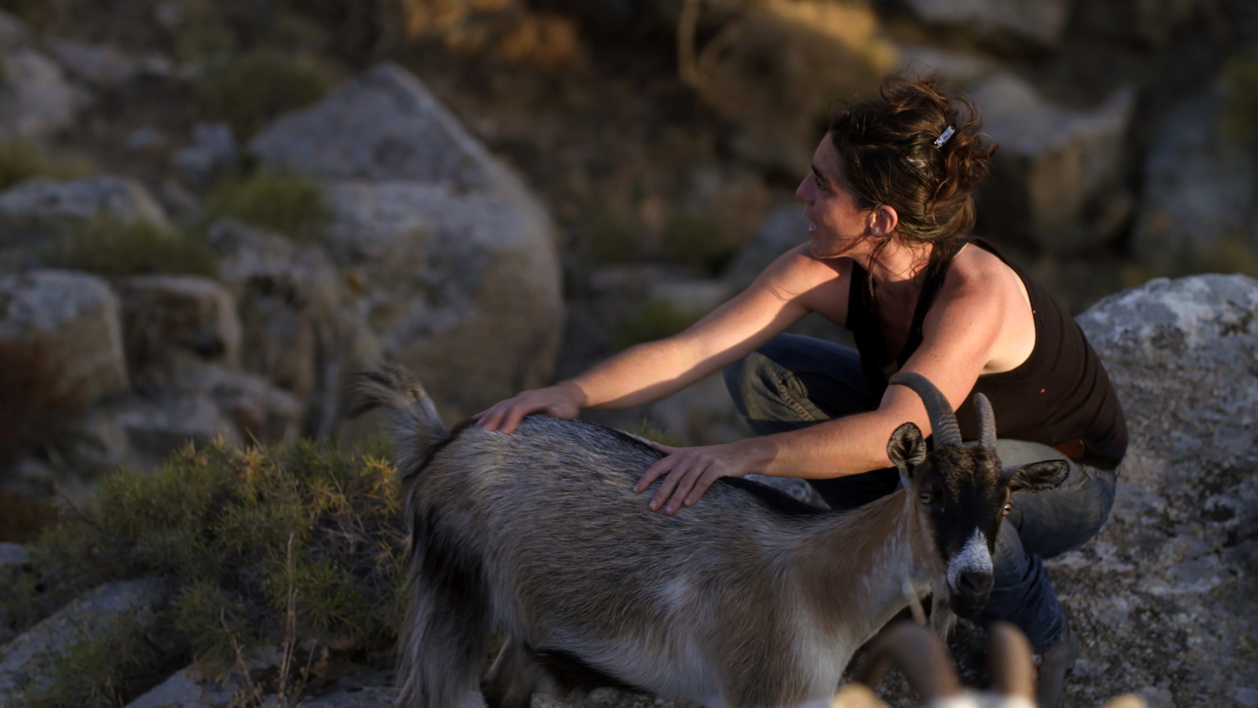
446	631
515	676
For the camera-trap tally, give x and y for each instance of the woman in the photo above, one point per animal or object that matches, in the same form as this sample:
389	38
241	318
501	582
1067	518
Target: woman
889	205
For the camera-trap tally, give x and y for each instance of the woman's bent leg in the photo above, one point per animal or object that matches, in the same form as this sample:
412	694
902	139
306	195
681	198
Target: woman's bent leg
793	382
1043	525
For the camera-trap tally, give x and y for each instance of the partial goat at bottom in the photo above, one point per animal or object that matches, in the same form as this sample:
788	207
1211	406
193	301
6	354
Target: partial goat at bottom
749	599
922	657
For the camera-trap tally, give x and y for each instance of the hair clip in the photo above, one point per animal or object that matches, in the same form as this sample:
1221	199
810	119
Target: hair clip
944	136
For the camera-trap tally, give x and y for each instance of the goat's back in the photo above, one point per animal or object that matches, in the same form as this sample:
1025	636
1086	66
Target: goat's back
551	510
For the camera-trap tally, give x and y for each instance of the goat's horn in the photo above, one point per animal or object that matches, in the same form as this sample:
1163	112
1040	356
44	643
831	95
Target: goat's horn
921	656
986	422
943	422
1009	660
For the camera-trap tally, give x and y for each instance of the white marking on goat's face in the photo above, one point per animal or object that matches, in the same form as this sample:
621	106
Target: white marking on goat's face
970	571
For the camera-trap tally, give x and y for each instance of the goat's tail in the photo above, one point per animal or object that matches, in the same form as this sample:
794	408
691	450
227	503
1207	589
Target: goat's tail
415	425
445	636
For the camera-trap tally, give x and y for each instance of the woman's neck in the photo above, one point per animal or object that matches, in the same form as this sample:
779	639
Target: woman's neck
898	270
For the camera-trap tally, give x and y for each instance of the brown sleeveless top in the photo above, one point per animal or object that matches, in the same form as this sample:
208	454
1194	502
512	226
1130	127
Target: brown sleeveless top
1060	396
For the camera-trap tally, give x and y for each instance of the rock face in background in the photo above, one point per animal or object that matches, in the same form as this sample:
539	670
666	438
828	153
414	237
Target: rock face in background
1057	174
1039	22
457	262
1199	188
1163	598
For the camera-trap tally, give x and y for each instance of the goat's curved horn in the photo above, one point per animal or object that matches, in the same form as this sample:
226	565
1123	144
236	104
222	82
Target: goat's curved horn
920	654
986	422
1009	660
943	422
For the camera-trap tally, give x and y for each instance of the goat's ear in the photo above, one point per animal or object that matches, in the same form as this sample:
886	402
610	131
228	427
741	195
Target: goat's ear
1038	476
906	448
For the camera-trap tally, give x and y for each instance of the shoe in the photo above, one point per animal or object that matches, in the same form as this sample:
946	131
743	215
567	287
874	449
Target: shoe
1051	667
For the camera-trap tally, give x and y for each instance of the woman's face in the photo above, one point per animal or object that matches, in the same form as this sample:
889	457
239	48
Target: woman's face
836	225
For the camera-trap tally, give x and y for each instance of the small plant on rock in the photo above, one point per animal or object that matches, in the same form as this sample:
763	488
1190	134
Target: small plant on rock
256	88
22	160
111	246
282	202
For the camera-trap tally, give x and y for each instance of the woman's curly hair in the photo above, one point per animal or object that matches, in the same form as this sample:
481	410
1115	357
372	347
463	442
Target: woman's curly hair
887	153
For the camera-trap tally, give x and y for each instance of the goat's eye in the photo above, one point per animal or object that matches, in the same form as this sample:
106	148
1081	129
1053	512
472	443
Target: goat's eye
1008	508
927	497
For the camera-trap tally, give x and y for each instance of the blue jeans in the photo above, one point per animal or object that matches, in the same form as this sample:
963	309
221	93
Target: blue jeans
793	382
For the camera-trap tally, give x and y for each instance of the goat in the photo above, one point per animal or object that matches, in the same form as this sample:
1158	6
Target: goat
749	599
923	658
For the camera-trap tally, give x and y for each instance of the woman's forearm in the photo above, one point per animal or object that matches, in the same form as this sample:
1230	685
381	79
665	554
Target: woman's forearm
642	374
835	448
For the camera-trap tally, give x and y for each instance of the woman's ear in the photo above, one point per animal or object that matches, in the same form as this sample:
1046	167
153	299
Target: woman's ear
882	221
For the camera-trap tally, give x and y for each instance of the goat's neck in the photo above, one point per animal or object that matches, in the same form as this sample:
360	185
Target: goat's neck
855	572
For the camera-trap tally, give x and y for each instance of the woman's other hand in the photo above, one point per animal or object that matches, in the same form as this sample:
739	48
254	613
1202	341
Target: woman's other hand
561	401
688	472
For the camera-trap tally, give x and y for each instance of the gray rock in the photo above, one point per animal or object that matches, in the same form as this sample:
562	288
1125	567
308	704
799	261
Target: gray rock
155	427
258	409
69	321
27	658
213	148
1055	167
1198	189
299	315
105	67
74	202
1163	598
1039	22
453	256
12	560
165	316
36	99
201	686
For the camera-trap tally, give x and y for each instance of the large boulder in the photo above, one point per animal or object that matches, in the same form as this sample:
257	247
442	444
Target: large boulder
36	99
456	260
1163	598
1057	177
1199	186
67	324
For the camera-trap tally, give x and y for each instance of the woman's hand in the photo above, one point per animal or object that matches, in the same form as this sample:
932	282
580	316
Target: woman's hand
561	400
689	471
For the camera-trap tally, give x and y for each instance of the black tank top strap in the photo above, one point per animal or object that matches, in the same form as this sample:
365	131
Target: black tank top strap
936	272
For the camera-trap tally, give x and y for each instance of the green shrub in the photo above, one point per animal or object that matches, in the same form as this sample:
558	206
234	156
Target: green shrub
22	160
283	202
100	667
696	241
297	545
655	319
255	88
111	246
1239	83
